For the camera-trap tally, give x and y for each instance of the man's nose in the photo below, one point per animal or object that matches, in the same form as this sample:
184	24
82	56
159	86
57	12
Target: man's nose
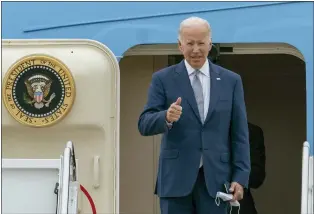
196	48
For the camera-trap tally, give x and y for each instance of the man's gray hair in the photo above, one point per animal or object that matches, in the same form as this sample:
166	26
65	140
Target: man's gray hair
193	21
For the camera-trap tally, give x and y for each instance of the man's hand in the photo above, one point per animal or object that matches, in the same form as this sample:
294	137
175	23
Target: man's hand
174	111
237	191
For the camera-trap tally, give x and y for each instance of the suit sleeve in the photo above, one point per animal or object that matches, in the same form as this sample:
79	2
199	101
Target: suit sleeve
240	138
152	120
258	158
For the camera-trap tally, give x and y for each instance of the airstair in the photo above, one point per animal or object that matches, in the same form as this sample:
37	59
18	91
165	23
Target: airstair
42	186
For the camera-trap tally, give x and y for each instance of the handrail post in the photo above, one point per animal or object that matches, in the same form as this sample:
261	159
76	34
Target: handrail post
311	186
305	178
68	181
65	181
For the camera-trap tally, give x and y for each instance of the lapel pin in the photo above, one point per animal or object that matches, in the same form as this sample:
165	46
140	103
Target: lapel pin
218	78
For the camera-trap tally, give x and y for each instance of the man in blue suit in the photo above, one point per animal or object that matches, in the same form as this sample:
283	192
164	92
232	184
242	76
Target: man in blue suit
199	108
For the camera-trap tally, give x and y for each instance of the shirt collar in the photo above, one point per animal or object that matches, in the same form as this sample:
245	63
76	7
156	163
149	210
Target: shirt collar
204	69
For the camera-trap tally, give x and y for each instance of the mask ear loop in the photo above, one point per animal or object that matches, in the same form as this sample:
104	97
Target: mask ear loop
217	200
227	191
238	209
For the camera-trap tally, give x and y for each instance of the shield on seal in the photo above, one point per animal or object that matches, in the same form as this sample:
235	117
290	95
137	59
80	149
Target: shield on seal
38	96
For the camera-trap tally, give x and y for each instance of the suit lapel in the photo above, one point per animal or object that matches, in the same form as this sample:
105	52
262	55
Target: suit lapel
182	80
215	88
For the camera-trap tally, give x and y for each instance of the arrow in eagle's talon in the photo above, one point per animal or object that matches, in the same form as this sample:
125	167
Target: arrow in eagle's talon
50	99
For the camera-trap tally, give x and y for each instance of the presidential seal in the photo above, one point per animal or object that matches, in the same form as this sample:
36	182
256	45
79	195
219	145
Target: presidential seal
38	90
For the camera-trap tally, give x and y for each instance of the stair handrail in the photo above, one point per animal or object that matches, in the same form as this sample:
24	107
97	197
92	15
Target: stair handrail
305	178
68	161
311	186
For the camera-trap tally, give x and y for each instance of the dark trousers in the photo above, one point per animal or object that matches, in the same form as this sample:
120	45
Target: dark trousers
198	202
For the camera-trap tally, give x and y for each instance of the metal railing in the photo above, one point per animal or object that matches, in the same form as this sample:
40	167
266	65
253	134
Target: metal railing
68	188
311	187
307	181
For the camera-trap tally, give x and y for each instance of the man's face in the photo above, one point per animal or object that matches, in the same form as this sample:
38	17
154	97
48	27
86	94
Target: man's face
195	45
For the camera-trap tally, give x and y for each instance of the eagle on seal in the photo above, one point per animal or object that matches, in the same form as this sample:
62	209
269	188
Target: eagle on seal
38	87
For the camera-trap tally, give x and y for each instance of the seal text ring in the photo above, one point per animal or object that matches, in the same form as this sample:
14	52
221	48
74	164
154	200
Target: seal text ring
38	90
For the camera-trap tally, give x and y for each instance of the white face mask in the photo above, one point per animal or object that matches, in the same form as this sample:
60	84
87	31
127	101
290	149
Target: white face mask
232	204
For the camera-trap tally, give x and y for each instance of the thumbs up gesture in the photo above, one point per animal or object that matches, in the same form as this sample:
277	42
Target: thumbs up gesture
174	111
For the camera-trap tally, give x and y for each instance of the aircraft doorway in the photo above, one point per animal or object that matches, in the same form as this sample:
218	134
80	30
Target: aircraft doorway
275	93
276	102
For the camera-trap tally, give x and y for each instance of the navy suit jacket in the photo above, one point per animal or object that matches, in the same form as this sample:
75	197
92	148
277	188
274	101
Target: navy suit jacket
222	139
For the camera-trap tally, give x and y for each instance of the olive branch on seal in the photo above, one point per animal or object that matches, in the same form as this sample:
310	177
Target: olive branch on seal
26	99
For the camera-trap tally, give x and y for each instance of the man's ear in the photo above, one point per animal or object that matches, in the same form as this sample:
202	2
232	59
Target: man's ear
180	45
210	44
